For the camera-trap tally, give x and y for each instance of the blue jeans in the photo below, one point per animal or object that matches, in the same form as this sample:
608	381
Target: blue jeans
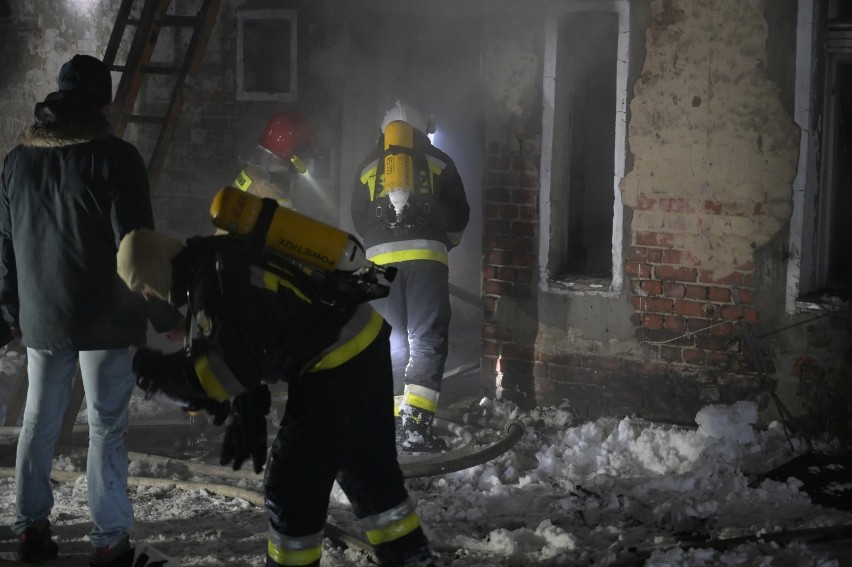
108	382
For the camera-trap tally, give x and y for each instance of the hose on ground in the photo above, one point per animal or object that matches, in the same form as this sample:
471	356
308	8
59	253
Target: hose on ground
221	489
463	457
442	463
466	455
337	535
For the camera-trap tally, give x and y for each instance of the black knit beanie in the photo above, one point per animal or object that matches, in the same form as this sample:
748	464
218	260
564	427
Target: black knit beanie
88	79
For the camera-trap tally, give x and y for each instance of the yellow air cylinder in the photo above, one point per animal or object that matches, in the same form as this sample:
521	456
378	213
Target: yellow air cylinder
289	233
399	166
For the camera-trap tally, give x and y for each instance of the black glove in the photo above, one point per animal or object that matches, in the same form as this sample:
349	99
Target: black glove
245	430
173	376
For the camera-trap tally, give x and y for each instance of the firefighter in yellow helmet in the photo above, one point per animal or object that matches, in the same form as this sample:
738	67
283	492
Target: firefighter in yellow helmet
273	165
409	207
260	321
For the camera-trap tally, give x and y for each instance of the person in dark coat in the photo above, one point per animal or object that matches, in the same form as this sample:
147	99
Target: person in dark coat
69	192
258	324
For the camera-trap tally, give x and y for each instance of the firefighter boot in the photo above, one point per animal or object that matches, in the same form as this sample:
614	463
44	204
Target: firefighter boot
417	434
406	552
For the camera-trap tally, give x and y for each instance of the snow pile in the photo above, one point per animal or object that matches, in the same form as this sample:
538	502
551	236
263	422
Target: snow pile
606	492
591	493
732	423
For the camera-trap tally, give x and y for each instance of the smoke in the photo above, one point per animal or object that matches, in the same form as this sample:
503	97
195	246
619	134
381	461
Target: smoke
368	54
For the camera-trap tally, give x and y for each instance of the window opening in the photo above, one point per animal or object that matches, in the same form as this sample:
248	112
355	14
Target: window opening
266	55
583	148
819	270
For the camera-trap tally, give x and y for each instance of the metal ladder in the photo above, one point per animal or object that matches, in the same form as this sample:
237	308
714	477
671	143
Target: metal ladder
138	66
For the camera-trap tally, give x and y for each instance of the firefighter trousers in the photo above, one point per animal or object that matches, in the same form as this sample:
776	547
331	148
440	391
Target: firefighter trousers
338	425
418	310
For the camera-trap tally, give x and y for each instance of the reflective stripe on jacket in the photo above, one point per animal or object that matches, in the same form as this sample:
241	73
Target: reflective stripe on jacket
355	336
405	250
437	208
256	325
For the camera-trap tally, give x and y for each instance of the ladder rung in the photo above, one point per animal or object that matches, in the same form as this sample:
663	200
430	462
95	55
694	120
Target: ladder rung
144	119
160	70
180	21
148	24
170	21
150	69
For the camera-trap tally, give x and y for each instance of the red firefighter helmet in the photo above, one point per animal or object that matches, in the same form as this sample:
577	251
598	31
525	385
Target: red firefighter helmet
285	133
285	136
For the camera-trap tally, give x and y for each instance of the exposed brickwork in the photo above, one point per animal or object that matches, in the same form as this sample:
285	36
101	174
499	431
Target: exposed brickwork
684	316
510	193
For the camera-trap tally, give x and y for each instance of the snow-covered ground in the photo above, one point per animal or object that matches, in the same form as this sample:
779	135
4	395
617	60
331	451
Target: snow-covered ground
604	492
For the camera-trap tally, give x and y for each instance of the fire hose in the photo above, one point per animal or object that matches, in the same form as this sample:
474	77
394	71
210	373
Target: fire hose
464	455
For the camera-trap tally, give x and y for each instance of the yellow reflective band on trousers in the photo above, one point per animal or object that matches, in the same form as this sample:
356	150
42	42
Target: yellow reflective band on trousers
208	379
283	556
419	402
353	346
394	530
288	550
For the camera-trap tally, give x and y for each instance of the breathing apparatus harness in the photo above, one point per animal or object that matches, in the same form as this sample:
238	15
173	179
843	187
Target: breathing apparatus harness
402	165
336	288
323	261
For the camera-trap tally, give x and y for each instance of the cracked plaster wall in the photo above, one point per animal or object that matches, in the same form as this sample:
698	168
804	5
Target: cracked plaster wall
708	129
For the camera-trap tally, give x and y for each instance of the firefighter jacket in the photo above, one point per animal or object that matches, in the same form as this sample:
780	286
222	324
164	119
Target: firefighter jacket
434	219
69	192
261	323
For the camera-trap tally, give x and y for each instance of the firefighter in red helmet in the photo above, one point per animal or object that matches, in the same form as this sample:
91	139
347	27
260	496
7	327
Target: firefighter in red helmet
274	164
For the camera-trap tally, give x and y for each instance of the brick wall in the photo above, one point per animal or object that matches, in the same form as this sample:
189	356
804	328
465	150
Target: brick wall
510	193
683	313
687	319
684	316
703	192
